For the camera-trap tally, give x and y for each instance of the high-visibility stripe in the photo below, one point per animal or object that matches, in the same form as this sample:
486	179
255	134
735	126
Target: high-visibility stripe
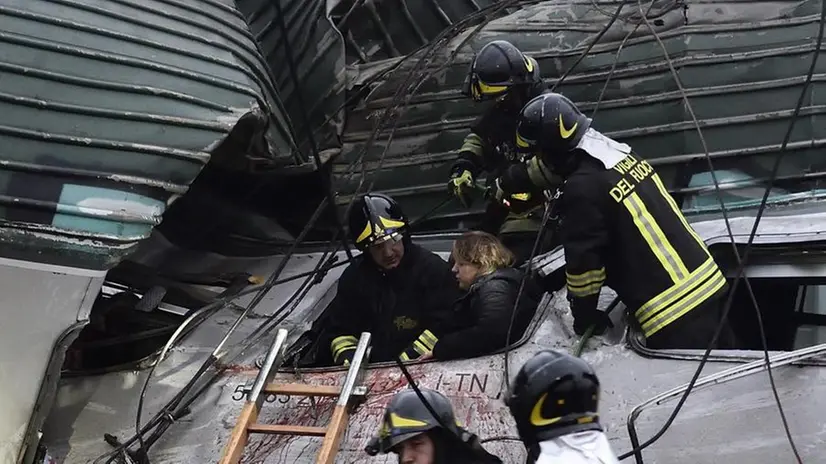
588	290
428	339
588	277
419	347
672	294
656	239
585	284
473	144
341	344
678	212
686	304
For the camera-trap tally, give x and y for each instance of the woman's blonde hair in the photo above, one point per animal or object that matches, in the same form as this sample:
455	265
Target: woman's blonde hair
483	250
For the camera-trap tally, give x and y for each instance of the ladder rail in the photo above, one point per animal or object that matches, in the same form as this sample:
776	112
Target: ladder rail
341	413
263	385
234	449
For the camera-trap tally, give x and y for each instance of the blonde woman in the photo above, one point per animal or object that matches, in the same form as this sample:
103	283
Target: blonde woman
483	267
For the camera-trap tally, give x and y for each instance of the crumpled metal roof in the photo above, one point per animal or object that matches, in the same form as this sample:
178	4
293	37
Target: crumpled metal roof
742	65
317	48
108	111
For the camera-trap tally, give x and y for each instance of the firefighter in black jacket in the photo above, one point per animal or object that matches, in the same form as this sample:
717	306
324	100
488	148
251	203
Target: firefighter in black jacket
395	290
502	73
621	228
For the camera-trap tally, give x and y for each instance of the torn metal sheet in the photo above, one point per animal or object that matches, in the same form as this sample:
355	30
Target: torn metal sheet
303	32
112	109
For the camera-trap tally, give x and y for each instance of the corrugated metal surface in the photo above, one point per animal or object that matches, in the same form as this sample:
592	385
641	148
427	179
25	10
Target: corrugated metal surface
318	51
378	30
109	109
742	63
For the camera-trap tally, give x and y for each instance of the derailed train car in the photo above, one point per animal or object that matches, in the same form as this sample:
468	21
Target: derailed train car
742	66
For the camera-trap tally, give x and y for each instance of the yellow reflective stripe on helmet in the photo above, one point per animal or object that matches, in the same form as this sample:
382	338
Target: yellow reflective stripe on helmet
487	89
522	143
473	144
397	421
368	229
528	63
566	133
679	213
656	239
536	413
391	223
521	196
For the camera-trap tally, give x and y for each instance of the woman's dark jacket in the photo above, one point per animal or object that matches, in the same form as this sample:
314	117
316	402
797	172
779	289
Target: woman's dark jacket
482	316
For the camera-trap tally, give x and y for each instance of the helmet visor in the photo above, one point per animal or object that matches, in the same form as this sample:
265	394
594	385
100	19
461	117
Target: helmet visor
481	91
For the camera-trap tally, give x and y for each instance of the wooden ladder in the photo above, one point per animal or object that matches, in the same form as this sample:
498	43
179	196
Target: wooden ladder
264	386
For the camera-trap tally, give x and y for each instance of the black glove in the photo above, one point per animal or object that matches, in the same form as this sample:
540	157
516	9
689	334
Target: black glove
586	318
461	185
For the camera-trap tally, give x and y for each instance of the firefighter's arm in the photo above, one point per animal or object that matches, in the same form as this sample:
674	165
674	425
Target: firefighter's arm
530	175
437	303
466	168
343	332
585	239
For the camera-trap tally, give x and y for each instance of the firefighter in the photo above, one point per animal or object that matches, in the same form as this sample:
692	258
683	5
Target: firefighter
621	228
554	401
500	72
395	290
410	430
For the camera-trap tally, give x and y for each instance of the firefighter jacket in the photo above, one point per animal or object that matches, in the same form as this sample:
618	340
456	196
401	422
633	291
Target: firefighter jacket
482	316
490	147
395	306
621	228
589	447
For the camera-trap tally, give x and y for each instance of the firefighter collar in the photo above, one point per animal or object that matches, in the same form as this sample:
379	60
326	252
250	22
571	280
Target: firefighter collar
608	151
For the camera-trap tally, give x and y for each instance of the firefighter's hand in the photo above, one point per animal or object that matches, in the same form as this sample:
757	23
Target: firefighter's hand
496	193
584	319
461	185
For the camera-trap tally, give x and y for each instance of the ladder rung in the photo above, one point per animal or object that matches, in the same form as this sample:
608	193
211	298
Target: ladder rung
283	429
297	389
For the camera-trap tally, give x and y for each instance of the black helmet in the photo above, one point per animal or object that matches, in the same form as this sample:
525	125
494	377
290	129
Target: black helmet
497	67
375	218
553	126
554	394
406	416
